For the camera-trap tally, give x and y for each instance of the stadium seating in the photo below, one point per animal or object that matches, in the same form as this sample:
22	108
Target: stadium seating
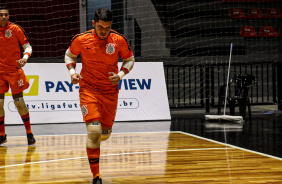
249	0
280	31
236	13
255	13
248	31
268	31
274	13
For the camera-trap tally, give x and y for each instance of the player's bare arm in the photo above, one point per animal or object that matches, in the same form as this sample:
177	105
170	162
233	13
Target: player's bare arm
126	67
27	53
70	60
75	77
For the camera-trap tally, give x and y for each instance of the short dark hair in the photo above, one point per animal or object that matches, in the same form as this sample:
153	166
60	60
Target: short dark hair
3	8
103	14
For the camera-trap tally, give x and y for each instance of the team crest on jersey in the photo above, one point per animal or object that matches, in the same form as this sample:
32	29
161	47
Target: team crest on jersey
84	110
110	48
8	33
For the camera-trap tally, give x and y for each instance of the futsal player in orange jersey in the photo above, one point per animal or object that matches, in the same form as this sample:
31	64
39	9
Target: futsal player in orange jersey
11	74
100	49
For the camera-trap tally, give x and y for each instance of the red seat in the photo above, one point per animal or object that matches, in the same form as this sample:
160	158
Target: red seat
236	13
280	31
248	31
255	13
249	0
274	13
267	31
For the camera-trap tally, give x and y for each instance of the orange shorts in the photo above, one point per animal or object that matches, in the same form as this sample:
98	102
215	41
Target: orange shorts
15	79
97	106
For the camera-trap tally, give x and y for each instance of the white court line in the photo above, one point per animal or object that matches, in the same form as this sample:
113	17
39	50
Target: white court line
132	153
112	133
263	154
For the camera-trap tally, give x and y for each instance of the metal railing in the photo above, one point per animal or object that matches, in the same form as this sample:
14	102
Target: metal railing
198	85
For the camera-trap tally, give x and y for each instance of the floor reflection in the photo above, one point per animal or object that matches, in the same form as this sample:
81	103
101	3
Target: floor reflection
262	133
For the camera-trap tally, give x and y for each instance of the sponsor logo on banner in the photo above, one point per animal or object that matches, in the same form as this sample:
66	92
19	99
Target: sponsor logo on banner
128	103
54	99
124	84
60	86
32	90
66	87
48	105
135	84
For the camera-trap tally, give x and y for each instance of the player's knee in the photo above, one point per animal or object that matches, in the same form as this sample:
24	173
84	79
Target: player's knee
2	113
1	103
106	134
94	131
20	104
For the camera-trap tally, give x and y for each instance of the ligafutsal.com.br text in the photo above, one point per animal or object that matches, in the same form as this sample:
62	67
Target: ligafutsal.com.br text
49	105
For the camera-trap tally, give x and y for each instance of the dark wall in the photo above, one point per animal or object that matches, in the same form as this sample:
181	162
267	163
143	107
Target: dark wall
50	25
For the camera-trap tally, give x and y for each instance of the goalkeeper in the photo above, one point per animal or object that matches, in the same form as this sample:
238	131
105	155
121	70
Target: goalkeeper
11	74
100	49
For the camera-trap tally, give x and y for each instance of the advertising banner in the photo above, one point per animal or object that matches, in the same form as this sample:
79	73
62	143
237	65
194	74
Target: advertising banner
52	98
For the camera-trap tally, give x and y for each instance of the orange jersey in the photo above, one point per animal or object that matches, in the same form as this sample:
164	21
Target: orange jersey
98	57
10	37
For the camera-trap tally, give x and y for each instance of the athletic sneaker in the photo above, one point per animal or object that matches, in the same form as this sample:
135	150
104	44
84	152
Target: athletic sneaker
30	139
97	180
3	139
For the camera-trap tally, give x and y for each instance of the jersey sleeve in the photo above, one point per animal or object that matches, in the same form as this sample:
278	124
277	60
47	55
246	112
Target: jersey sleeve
125	50
75	46
21	35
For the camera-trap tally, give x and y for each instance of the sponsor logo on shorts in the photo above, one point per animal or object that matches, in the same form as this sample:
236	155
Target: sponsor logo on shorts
8	33
20	82
33	88
84	110
110	48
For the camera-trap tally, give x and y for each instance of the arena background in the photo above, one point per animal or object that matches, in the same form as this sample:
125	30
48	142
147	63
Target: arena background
192	39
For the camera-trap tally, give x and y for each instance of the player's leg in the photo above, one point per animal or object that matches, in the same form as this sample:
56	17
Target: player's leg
18	83
24	113
106	133
4	87
107	123
108	114
91	111
3	137
94	132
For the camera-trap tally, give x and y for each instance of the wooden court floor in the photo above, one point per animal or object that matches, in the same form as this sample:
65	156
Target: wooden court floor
136	158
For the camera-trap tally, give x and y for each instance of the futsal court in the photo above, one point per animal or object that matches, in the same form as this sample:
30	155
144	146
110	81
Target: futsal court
189	49
186	149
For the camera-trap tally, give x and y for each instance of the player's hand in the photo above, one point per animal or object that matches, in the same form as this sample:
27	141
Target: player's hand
22	62
75	78
114	78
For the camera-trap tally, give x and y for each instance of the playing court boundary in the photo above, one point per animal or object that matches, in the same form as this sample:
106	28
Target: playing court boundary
243	149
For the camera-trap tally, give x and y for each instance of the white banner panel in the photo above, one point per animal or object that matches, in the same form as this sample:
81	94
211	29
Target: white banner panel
52	98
